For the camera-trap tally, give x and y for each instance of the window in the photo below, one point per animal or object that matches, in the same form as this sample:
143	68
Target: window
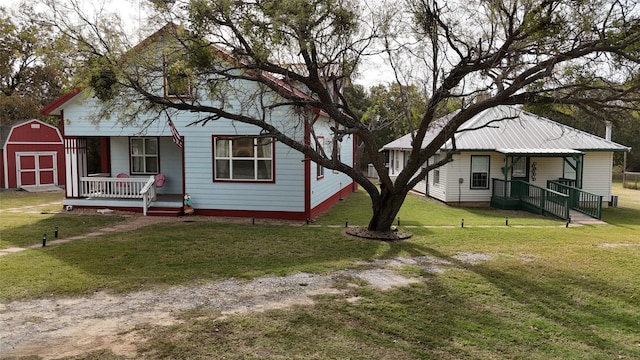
144	155
436	171
320	168
177	77
243	159
480	172
519	167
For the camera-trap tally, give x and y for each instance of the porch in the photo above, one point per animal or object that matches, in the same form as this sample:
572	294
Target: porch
135	194
559	199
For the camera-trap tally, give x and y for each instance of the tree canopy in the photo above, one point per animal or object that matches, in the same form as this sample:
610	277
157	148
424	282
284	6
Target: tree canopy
472	55
32	70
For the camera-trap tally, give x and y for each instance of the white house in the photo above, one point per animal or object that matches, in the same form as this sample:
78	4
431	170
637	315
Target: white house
225	168
510	158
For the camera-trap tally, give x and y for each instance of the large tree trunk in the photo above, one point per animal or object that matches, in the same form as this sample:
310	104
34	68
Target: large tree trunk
385	209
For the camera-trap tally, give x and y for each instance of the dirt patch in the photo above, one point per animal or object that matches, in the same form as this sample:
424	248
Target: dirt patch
54	328
393	235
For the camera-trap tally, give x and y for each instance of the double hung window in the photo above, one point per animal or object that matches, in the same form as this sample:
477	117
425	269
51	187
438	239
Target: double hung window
243	159
144	155
480	172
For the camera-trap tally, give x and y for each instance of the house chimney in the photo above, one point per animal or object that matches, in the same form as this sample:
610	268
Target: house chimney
607	133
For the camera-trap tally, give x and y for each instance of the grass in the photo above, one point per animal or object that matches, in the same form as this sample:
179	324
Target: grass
20	230
421	211
548	292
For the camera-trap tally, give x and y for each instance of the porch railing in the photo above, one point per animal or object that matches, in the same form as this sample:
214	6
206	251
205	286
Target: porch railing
120	188
579	200
533	198
148	194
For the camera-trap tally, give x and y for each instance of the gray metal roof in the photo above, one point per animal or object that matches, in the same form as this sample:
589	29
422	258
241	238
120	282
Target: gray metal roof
513	130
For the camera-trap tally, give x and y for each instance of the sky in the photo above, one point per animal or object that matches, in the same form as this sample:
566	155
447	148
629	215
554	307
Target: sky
372	72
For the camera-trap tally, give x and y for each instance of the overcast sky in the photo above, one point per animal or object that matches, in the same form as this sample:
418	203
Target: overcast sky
373	71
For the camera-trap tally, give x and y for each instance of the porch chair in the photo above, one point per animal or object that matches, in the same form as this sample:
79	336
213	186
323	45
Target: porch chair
160	179
122	186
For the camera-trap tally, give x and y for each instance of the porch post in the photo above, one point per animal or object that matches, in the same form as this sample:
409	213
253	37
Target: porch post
579	161
505	171
624	169
105	160
75	156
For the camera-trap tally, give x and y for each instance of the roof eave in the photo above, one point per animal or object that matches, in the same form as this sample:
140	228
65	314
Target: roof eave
50	109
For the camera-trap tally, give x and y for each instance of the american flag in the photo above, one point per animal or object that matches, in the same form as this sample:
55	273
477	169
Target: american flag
176	135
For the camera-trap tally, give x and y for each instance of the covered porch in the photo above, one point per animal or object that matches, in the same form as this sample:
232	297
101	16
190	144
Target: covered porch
143	174
134	194
556	192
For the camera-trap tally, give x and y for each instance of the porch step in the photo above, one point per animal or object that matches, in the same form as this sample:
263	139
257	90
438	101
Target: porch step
162	211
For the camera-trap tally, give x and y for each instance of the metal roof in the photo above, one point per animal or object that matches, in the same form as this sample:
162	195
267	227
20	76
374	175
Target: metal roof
513	130
540	152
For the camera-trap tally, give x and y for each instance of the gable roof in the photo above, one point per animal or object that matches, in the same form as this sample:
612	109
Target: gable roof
5	129
511	130
55	106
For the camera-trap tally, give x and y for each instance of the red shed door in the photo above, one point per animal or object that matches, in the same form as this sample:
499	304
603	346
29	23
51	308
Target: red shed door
35	169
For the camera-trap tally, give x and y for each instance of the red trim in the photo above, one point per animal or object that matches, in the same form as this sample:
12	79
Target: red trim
62	125
184	185
307	168
258	214
330	202
59	102
105	158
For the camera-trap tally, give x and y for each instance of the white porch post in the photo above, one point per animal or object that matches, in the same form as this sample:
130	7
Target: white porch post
75	156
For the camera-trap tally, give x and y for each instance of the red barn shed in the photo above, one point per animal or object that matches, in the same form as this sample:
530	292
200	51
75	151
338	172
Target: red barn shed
32	154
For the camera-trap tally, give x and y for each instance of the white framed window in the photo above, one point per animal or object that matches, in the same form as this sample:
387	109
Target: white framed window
320	168
243	159
436	171
480	171
144	155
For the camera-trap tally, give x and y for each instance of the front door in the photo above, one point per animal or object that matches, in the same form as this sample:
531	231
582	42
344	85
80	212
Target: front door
520	171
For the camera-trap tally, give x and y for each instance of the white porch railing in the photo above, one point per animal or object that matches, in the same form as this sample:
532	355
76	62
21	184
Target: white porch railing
120	188
148	194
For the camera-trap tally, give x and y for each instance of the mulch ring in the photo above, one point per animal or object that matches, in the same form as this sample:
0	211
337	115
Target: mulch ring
393	235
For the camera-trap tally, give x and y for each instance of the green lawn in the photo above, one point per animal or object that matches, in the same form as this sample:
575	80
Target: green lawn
40	214
548	292
420	211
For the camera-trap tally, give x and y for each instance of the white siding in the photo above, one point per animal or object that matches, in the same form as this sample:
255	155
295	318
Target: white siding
597	174
460	168
421	187
438	190
546	168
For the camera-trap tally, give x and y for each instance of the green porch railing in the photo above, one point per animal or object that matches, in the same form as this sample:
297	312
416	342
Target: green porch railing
579	200
507	194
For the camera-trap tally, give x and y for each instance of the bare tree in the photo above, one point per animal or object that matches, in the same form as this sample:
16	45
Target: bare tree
511	51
